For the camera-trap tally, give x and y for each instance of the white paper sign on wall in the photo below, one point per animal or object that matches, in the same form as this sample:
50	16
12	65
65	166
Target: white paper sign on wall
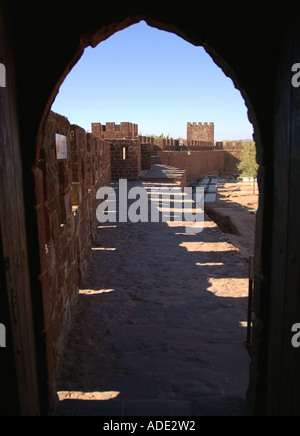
61	146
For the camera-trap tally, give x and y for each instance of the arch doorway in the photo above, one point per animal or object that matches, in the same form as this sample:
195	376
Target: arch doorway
63	173
245	60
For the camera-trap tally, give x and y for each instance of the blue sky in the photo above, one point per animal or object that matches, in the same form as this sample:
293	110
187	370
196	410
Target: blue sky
154	79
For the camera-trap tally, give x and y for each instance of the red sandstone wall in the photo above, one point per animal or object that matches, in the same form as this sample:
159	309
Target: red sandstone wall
131	167
200	145
230	145
145	157
201	163
167	144
147	140
66	210
232	158
197	164
115	131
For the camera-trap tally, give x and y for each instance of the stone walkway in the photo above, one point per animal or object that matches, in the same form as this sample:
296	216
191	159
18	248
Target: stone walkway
164	173
160	325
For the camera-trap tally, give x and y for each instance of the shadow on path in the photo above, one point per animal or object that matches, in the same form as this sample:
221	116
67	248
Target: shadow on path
160	326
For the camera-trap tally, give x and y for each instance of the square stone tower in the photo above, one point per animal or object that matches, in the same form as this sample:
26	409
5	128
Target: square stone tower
201	132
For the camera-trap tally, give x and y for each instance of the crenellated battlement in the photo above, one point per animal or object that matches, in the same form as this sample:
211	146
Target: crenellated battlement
123	130
200	124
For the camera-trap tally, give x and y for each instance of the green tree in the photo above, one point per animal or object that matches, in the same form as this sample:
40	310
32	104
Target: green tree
248	164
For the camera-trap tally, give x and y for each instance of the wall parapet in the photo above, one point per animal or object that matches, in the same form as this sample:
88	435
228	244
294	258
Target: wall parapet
126	159
66	210
123	130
